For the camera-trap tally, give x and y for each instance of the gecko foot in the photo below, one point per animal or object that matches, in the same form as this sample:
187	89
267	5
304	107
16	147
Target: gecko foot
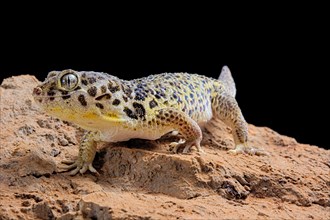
78	166
244	148
176	145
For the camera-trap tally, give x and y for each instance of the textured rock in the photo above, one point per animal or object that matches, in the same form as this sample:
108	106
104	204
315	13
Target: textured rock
142	180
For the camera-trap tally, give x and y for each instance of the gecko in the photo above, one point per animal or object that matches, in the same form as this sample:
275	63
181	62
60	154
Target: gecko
111	109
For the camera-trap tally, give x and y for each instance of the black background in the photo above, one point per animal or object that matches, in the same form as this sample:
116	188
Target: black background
280	69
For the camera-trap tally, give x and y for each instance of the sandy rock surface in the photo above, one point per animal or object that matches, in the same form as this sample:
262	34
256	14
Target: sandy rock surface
142	180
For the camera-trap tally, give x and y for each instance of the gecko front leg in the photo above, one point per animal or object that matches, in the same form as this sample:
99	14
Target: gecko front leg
86	155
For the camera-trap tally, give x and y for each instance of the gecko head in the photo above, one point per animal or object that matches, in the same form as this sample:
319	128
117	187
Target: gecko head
80	97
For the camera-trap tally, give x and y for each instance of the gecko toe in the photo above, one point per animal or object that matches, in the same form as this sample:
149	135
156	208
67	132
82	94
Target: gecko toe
174	146
244	148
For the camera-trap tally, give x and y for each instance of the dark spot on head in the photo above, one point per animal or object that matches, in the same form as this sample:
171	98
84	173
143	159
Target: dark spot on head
130	113
125	98
91	80
104	96
113	87
81	99
116	102
166	114
162	118
99	105
139	110
84	81
186	98
191	95
50	93
190	112
128	91
175	96
92	91
166	102
103	89
66	97
51	98
83	75
153	103
78	87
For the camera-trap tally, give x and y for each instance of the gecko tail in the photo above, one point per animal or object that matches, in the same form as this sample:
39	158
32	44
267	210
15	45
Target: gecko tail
227	79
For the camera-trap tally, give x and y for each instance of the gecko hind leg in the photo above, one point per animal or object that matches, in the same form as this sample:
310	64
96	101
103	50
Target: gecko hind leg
183	124
226	109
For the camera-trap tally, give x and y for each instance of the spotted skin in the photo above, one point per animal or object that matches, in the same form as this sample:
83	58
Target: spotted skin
113	110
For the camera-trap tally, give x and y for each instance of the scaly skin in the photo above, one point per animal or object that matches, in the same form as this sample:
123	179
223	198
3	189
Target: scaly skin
113	110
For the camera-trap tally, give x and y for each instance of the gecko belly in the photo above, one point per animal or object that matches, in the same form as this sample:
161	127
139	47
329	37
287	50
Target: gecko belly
122	134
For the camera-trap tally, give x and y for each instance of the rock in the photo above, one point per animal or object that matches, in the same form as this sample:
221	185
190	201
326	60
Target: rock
91	210
142	180
43	211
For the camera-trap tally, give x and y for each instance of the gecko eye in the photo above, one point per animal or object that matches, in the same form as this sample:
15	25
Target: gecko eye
69	81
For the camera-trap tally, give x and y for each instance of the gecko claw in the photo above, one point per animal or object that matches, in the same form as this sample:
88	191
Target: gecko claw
78	166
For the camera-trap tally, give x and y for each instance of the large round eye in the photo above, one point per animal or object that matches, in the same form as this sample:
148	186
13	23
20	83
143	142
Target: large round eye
69	81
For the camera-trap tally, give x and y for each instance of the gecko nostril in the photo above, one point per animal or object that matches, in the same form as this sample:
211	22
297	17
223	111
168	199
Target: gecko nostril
37	91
